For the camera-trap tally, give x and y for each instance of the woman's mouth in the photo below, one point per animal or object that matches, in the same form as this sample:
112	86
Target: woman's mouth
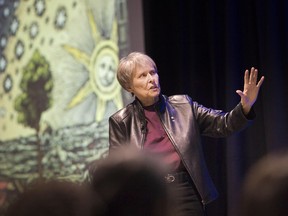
154	87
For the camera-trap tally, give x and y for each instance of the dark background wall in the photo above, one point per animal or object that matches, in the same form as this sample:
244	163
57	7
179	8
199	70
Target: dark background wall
202	49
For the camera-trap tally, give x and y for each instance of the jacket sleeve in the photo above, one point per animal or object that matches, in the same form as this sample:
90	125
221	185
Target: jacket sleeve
116	135
216	123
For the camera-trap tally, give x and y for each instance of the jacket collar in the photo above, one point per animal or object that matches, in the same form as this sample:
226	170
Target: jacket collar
160	105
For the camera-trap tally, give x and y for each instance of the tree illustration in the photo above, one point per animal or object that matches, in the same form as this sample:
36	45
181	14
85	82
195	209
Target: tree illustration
36	97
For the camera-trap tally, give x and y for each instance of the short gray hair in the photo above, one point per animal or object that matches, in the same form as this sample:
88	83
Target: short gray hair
127	67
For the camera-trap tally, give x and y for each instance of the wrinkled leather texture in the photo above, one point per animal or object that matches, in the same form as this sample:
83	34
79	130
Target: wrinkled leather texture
184	122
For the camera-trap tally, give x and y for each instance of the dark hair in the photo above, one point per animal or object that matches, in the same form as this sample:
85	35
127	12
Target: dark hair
130	184
265	189
52	198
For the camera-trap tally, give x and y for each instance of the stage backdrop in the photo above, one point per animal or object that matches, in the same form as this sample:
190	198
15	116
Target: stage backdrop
57	72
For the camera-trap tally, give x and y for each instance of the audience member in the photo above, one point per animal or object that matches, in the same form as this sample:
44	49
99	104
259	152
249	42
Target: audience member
131	184
52	198
265	189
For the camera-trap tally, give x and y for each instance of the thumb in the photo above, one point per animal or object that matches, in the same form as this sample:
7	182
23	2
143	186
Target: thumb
240	93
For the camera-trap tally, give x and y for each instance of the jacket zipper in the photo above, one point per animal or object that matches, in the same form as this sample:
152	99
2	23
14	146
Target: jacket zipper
143	139
176	148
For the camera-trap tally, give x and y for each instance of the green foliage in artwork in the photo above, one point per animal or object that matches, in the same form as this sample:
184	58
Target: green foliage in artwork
36	86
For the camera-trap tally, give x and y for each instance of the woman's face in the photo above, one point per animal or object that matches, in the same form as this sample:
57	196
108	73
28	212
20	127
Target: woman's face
145	84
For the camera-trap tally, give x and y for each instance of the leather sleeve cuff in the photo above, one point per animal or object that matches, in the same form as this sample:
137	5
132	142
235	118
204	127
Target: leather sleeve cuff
251	115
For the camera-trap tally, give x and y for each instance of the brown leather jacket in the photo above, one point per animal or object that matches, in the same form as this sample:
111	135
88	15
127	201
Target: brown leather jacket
184	122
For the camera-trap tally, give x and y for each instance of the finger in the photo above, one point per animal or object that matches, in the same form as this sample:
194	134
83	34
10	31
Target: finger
255	75
246	77
251	75
260	82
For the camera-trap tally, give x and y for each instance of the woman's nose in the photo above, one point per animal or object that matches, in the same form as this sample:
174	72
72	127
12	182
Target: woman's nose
150	78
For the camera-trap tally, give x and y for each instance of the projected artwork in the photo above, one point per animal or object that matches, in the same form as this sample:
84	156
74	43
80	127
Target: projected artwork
101	64
58	87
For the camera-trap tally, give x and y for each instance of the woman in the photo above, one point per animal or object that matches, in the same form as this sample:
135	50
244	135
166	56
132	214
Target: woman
170	128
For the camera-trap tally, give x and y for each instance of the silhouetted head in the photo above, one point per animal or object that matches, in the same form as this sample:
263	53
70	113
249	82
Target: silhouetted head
52	198
131	183
265	190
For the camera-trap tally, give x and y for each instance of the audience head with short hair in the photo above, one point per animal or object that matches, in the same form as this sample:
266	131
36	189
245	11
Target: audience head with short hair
131	183
265	189
52	198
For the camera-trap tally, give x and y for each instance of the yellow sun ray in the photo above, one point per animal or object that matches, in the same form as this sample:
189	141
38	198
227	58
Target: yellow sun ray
81	95
100	109
118	100
78	54
114	34
95	32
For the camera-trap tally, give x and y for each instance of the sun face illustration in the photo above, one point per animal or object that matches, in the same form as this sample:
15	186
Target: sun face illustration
101	65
